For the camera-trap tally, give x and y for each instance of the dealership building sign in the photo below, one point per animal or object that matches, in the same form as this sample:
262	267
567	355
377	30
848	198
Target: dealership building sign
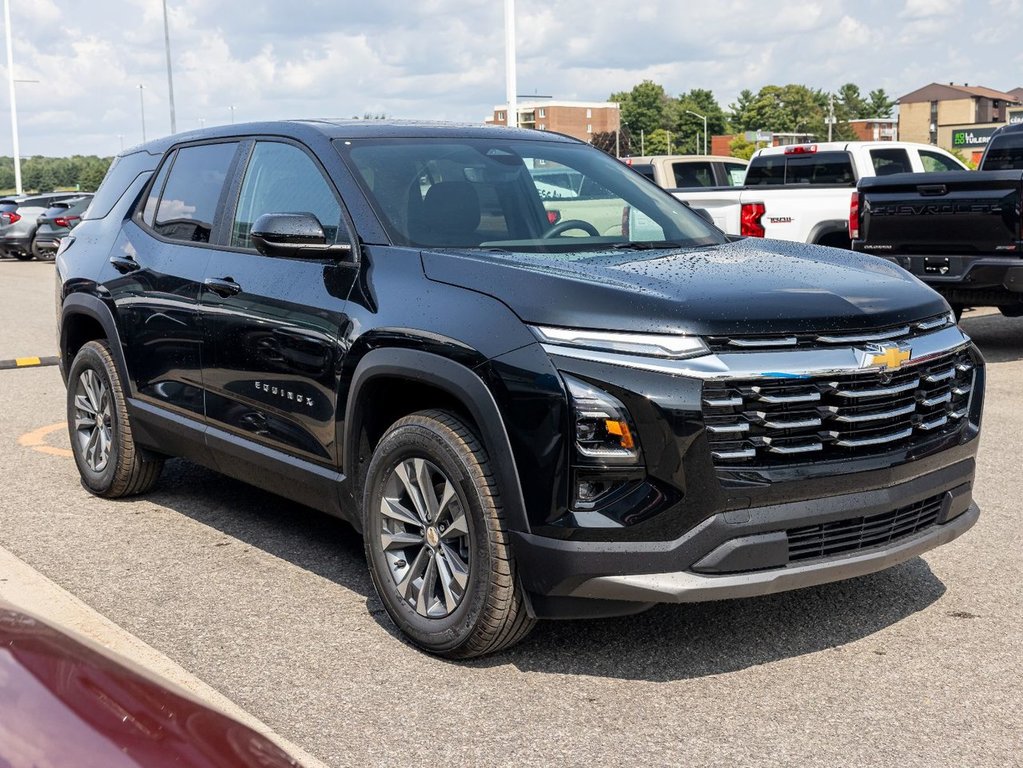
971	137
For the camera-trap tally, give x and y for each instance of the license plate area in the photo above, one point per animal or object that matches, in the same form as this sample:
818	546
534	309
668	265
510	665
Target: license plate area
937	265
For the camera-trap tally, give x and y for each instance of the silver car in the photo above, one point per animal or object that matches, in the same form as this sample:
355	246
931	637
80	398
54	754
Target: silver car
18	221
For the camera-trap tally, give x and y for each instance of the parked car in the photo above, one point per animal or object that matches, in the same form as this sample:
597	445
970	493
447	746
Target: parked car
958	233
802	192
690	171
67	703
525	418
55	223
18	218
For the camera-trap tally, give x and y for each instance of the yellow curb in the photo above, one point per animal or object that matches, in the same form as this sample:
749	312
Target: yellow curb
36	440
20	361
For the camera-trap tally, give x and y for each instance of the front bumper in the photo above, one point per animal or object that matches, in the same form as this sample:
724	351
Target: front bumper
741	553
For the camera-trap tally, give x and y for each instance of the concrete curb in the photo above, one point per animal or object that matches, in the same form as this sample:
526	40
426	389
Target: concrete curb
24	587
28	362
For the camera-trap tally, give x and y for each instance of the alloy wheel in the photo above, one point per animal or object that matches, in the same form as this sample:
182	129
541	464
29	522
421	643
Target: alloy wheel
93	420
425	538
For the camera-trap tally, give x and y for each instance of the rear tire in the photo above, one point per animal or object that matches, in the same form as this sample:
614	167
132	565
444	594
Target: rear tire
110	463
21	256
436	541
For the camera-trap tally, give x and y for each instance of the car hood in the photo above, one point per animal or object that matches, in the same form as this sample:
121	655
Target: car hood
750	286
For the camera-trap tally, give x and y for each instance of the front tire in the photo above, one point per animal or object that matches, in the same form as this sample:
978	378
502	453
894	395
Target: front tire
110	463
436	542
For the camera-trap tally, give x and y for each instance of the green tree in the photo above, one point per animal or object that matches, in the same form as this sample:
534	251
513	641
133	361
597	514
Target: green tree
849	103
741	120
739	147
644	108
659	142
878	104
687	126
783	109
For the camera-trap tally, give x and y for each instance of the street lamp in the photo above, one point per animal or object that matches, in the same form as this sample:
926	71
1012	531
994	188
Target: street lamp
512	121
704	118
232	114
170	79
14	107
142	108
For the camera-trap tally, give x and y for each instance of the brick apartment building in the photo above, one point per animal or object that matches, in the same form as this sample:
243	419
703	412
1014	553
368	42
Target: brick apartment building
580	119
960	117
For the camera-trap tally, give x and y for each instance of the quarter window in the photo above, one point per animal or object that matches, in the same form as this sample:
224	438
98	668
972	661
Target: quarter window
188	205
281	178
933	162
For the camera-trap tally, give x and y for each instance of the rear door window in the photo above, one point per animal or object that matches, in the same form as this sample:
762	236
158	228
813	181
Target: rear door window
889	161
935	162
735	174
188	206
693	174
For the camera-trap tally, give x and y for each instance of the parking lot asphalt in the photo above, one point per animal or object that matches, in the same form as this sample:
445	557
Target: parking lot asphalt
269	603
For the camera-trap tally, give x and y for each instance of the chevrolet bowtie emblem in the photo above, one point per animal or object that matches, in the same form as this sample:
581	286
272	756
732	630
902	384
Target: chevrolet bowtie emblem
888	356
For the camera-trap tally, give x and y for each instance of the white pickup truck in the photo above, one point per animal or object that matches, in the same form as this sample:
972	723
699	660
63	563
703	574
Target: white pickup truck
804	192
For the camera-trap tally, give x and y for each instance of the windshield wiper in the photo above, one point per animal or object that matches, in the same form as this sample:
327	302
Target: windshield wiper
647	245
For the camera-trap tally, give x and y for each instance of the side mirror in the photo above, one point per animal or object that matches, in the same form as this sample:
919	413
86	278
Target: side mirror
293	235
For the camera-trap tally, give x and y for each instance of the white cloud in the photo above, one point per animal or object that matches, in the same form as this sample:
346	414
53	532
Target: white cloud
444	59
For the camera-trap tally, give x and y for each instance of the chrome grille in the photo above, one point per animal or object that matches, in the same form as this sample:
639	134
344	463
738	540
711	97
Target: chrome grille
828	539
785	420
819	340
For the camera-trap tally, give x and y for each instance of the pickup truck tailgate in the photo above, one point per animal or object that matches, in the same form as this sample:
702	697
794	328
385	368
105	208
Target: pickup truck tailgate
957	213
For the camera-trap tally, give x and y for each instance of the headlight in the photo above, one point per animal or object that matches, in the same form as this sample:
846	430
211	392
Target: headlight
602	429
643	344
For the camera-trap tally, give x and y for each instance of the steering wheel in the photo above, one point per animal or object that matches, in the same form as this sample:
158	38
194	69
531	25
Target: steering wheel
565	226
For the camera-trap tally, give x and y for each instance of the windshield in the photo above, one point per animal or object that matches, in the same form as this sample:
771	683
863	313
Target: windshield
539	196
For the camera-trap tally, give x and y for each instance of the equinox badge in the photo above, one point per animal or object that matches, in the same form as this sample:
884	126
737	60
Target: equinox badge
888	356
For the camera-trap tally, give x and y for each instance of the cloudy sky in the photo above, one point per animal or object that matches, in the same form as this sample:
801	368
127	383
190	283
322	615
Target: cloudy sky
444	59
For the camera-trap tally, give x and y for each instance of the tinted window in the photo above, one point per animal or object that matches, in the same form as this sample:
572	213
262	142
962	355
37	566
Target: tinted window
809	168
281	178
693	174
188	205
124	170
889	161
934	162
766	170
153	198
644	170
1005	153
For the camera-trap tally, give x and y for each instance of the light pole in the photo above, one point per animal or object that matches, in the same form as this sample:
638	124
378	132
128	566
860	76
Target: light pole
170	79
14	107
232	114
142	109
704	118
509	64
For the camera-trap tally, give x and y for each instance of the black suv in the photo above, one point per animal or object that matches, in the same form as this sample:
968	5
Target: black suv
533	401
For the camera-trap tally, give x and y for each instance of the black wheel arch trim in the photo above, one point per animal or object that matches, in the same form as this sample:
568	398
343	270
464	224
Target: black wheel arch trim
91	306
829	227
456	380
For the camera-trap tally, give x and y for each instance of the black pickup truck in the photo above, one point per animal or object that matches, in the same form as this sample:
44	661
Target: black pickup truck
959	232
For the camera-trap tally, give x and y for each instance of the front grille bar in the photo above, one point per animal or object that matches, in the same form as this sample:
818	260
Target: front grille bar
808	397
861	337
860	442
877	392
860	418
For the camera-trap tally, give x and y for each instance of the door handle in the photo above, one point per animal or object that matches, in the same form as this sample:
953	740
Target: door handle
223	286
124	264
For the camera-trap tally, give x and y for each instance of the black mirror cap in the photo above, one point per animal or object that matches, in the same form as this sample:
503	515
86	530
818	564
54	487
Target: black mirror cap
286	234
704	214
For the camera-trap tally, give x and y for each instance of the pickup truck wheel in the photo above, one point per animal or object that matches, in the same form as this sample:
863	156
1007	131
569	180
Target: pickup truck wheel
436	541
23	256
110	463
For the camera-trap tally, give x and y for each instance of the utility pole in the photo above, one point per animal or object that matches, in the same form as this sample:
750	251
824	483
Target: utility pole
14	107
509	64
232	114
642	144
170	79
142	109
831	114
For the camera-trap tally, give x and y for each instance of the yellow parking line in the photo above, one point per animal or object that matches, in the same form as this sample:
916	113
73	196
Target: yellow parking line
36	440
